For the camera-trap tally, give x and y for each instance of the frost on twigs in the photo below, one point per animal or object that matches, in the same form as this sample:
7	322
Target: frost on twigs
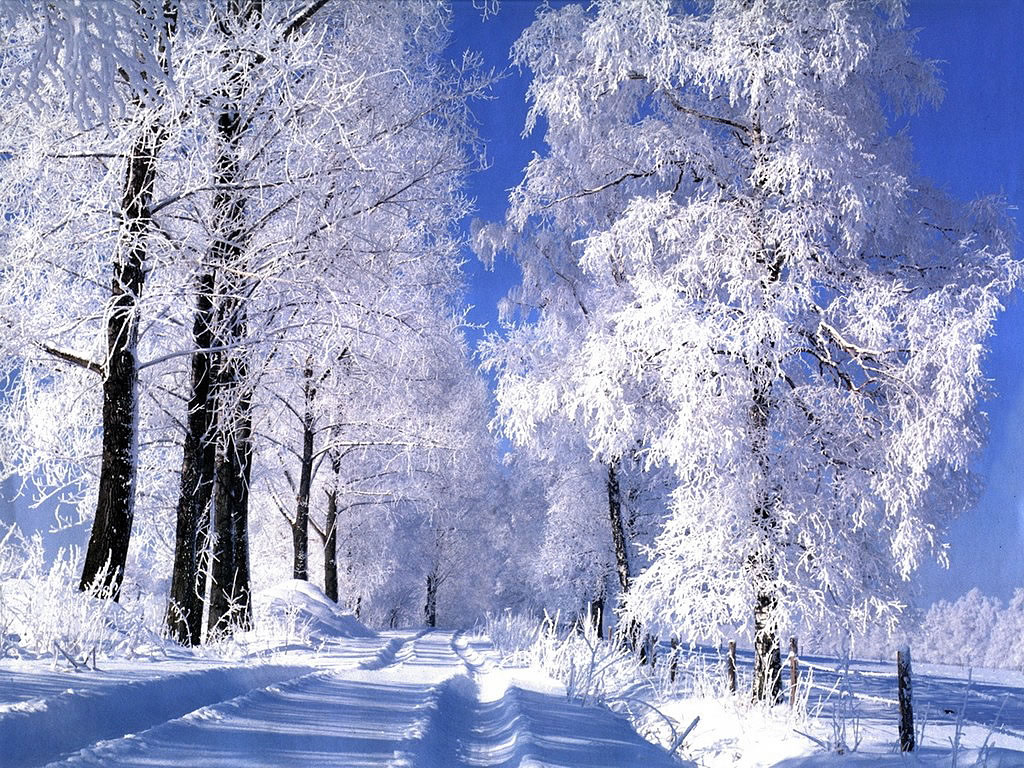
732	273
42	613
101	54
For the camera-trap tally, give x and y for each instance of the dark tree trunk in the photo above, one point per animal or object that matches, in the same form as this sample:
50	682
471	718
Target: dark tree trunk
331	529
107	551
597	612
904	687
185	607
730	668
794	670
300	526
767	684
767	658
631	632
229	572
618	528
430	609
230	604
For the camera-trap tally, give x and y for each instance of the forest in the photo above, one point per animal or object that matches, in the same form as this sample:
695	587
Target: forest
736	393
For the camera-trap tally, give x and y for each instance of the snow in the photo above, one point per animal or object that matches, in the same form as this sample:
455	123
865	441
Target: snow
423	699
299	602
858	706
98	705
340	694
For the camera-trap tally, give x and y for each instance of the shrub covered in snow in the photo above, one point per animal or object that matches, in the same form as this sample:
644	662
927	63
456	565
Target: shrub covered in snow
42	611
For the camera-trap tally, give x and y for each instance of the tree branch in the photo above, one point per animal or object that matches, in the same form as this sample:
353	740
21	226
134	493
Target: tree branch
74	359
302	17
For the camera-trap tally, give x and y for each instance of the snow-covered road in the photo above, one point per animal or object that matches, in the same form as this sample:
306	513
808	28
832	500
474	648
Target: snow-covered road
426	699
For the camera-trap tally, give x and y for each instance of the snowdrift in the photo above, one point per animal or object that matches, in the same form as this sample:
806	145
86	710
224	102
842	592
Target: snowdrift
39	730
299	603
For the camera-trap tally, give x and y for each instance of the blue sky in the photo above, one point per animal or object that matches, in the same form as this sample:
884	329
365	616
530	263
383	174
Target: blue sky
970	145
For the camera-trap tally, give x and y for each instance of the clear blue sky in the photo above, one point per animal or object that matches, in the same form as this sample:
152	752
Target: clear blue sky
971	145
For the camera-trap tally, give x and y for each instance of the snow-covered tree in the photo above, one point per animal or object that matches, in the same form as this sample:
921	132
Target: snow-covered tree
959	632
296	198
729	263
95	61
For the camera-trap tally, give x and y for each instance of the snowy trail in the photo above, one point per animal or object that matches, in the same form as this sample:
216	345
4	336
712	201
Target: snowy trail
416	700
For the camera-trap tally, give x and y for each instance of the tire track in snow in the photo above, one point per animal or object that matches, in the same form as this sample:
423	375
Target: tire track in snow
475	662
421	707
509	726
320	719
458	730
72	720
397	651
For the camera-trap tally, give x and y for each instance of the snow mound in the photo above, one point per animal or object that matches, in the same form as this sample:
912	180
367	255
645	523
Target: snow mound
304	606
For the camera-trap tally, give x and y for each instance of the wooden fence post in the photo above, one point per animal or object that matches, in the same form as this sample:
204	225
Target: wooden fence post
794	671
730	668
673	664
903	673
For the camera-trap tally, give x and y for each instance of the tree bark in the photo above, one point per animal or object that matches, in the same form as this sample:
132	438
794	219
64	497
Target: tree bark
767	683
906	699
618	528
331	529
730	668
597	612
630	633
229	573
230	599
430	609
794	670
300	526
107	551
185	605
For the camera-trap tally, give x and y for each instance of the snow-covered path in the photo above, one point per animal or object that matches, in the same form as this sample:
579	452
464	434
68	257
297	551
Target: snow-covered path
424	700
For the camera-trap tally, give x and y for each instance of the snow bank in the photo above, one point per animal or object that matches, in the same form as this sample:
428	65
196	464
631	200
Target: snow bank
302	605
49	728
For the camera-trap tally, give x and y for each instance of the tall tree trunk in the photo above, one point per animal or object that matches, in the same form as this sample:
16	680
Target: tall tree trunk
230	599
107	551
229	572
618	528
300	526
764	560
331	529
597	611
631	632
430	609
185	605
767	657
230	606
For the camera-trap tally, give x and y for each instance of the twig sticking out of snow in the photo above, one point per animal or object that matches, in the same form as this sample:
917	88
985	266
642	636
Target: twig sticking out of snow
74	664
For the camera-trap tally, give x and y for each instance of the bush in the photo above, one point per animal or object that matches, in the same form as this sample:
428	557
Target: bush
43	612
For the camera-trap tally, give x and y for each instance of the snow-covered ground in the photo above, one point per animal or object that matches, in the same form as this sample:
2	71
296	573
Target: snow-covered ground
848	716
350	698
330	692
